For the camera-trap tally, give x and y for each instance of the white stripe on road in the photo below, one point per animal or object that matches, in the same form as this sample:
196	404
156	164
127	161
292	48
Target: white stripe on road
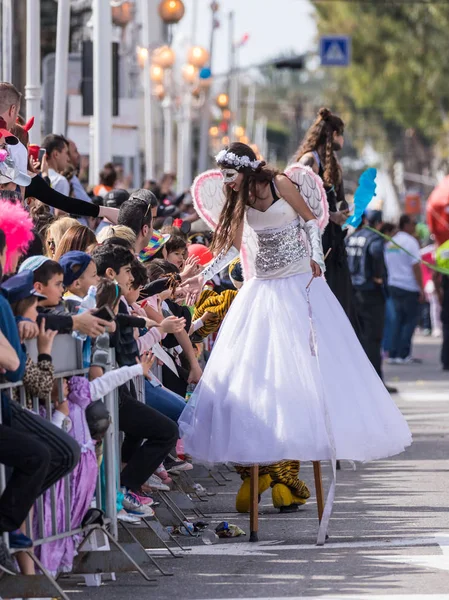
273	548
428	561
424	396
352	597
427	417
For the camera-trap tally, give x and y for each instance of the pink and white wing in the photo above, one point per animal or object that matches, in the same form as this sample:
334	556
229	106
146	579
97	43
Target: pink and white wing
209	199
312	190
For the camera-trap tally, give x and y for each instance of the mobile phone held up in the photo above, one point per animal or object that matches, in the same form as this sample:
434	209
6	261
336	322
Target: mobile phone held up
36	152
104	313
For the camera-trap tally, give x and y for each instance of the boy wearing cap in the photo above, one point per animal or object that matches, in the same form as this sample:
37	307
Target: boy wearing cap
80	273
49	281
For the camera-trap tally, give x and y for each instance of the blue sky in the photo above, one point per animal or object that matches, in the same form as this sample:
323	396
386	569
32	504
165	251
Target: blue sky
274	27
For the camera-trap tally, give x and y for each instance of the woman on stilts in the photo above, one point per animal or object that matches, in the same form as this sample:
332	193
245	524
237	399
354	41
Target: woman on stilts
275	387
318	151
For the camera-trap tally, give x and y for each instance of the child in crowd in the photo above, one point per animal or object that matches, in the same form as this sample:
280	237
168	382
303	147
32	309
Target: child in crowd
80	273
48	276
139	422
177	251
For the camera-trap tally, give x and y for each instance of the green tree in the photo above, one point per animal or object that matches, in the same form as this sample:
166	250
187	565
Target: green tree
399	76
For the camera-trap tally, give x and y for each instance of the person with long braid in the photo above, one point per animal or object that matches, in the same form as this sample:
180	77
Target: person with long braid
318	151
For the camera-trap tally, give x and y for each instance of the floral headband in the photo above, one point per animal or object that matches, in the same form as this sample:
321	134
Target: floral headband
229	159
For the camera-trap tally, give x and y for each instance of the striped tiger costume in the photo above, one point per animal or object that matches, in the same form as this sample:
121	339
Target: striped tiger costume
287	489
217	304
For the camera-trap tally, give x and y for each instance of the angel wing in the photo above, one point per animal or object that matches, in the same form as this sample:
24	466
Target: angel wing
312	190
209	199
208	196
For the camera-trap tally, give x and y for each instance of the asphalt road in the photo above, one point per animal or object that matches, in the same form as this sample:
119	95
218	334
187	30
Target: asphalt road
389	532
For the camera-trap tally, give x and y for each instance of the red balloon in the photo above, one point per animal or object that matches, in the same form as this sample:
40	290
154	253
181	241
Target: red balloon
438	212
201	252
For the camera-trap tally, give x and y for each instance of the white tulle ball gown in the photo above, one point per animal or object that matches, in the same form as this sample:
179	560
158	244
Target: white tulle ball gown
268	393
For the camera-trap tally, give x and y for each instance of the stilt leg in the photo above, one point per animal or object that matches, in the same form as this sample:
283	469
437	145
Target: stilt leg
318	489
254	504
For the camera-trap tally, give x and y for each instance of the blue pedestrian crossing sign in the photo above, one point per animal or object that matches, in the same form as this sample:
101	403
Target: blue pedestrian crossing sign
335	50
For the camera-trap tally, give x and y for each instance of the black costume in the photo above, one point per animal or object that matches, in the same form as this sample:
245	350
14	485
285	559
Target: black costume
337	271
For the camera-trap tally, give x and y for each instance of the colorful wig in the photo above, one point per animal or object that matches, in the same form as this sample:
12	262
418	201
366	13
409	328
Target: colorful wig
17	227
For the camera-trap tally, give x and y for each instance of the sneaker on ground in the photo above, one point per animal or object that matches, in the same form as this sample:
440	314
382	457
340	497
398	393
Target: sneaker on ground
176	465
122	515
134	507
163	475
408	360
394	361
145	500
156	483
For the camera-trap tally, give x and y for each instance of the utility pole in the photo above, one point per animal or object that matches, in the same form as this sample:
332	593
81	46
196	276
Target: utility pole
7	40
233	78
61	67
33	68
102	71
148	101
205	121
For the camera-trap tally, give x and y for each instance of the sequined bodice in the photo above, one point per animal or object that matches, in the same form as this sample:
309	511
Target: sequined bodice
281	251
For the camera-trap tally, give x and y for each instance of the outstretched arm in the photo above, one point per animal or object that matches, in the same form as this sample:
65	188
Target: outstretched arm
39	189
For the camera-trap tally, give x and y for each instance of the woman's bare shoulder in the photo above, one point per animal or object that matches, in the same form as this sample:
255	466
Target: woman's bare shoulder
309	160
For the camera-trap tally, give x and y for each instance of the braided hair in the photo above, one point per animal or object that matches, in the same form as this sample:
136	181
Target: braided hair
320	138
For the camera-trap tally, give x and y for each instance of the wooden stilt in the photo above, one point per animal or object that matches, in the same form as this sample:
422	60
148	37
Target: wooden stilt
254	504
318	488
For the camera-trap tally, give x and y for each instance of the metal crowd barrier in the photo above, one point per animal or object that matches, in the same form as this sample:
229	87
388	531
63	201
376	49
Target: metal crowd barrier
113	546
67	362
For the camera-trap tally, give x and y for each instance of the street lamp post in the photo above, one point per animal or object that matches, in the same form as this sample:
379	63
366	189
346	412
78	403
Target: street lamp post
205	121
167	111
102	75
61	66
7	40
33	68
148	101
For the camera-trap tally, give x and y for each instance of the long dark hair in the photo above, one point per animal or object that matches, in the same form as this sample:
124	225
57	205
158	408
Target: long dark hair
233	211
320	138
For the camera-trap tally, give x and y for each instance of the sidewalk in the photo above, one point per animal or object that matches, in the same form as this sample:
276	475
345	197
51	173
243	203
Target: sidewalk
389	533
